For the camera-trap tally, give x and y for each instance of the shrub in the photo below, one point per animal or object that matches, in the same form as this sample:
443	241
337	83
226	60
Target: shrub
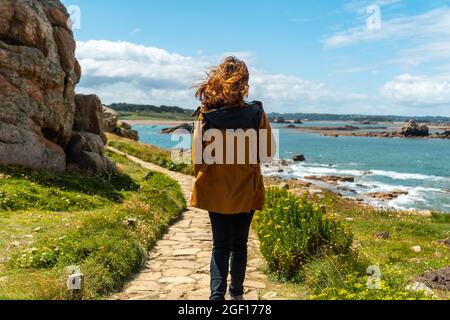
293	230
355	287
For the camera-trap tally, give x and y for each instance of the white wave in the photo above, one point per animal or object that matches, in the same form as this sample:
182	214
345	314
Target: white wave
302	170
405	176
306	170
416	197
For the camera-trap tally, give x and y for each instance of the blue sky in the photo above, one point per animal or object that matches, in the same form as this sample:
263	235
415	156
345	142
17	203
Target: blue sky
304	56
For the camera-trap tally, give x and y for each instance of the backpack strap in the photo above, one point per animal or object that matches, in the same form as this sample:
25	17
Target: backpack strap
245	117
258	104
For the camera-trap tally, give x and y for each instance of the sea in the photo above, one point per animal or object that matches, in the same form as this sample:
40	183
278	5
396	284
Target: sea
420	167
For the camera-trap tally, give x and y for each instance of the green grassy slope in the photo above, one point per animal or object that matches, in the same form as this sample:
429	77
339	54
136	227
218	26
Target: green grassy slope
51	221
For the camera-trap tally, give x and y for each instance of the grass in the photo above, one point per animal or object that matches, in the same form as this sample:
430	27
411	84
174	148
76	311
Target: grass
25	189
62	220
148	153
344	277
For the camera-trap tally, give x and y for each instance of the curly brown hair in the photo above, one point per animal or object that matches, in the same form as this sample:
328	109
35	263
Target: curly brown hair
226	85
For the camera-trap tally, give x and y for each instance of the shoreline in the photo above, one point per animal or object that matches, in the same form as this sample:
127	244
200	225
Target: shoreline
350	193
352	130
300	187
155	122
346	187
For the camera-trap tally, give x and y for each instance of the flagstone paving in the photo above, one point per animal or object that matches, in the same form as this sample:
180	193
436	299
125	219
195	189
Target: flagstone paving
178	266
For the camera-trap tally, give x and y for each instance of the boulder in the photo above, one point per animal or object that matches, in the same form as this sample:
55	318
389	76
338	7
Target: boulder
413	129
439	279
284	186
112	124
88	114
331	179
125	130
38	74
110	119
421	288
445	242
445	134
87	143
416	249
91	163
299	158
384	235
387	196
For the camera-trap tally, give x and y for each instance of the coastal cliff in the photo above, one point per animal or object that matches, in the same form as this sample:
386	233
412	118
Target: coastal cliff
43	123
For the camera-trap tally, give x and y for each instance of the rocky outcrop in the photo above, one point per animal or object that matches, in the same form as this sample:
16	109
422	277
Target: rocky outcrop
43	125
445	242
331	179
87	143
299	158
38	74
123	129
394	134
280	120
442	135
110	119
439	279
387	196
413	129
88	115
184	126
112	124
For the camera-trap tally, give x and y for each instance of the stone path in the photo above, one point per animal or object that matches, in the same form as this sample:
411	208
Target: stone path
178	267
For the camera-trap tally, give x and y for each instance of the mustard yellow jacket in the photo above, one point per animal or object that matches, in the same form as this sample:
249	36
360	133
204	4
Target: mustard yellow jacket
229	188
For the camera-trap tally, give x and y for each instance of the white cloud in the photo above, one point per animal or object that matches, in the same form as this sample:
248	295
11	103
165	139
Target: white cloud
426	52
430	26
418	91
360	6
127	72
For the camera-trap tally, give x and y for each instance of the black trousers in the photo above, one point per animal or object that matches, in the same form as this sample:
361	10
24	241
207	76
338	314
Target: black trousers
230	238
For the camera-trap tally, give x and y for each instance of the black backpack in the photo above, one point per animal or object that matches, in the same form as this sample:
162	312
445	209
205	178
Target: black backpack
245	117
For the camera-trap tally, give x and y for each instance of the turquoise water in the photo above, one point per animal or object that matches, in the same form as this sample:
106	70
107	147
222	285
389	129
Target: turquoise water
421	167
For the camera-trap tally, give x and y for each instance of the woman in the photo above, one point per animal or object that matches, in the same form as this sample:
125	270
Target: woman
232	190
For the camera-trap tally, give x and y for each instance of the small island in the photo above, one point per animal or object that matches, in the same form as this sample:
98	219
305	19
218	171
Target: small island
411	130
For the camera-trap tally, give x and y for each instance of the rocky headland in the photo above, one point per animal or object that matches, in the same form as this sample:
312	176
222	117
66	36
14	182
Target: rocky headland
43	123
411	130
